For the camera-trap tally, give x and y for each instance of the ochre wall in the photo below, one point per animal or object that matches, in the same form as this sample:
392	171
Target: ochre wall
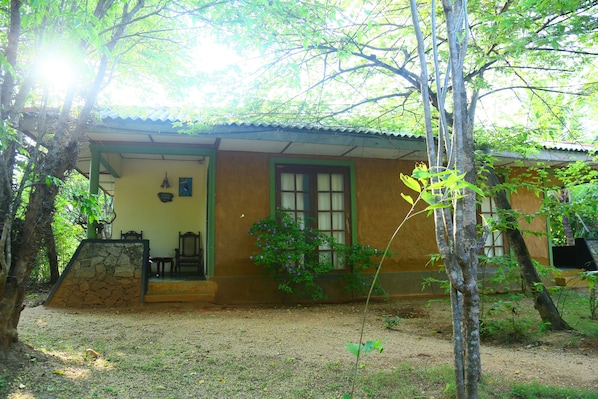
243	197
381	209
526	201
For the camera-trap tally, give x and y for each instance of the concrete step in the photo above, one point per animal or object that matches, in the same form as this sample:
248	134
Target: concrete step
570	278
181	291
179	298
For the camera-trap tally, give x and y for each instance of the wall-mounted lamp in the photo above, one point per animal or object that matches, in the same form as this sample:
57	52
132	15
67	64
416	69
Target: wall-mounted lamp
165	182
165	197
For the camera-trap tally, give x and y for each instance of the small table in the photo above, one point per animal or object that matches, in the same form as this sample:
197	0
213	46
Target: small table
160	261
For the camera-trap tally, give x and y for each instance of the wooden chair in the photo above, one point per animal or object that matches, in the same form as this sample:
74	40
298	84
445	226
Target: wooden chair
131	235
189	252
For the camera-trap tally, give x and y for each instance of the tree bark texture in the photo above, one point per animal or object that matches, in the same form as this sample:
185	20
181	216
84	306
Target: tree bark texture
458	339
542	300
52	253
568	230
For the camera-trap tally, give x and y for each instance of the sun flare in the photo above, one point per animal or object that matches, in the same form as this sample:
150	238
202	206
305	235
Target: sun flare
57	71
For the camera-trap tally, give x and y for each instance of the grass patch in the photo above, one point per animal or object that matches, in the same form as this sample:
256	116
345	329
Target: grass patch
539	391
511	318
407	382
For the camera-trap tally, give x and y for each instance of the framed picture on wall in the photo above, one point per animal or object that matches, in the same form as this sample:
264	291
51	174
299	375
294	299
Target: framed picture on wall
185	186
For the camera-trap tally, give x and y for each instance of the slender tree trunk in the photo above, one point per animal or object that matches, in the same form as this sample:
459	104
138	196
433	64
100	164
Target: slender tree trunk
471	304
50	245
456	231
542	299
568	230
563	198
458	347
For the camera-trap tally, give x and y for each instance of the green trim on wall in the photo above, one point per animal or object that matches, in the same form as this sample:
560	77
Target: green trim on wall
317	162
211	227
109	167
94	187
547	221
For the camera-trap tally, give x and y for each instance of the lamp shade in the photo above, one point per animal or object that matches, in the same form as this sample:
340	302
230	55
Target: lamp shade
165	197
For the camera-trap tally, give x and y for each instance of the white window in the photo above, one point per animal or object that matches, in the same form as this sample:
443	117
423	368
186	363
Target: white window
317	197
495	241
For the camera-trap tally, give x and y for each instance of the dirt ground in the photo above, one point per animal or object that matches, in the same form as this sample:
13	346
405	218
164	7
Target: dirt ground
293	335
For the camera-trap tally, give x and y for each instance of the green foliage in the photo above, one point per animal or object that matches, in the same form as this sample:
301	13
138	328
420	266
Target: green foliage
575	304
444	284
289	253
592	278
535	390
320	52
365	349
574	201
499	274
508	327
391	322
438	189
87	204
502	292
359	259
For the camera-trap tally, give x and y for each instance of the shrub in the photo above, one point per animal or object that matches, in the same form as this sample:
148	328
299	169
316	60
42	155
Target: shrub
358	258
592	278
289	253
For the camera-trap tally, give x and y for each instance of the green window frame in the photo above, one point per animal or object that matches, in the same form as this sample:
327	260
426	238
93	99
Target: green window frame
319	194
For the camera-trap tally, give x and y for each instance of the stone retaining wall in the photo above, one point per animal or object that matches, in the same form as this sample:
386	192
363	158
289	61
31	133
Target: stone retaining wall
102	274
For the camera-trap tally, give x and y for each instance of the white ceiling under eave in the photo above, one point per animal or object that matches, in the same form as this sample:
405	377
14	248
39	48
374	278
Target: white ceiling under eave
169	145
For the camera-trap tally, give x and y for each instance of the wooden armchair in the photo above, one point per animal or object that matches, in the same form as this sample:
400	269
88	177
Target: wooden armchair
189	253
131	235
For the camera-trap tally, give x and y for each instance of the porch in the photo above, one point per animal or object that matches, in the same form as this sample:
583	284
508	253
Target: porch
115	273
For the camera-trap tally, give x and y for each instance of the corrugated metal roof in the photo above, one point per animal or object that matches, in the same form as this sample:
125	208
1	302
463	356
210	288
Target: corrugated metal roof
567	146
144	114
166	115
173	116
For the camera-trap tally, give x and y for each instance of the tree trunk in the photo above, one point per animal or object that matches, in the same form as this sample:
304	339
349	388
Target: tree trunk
50	245
568	230
458	347
11	304
542	299
563	197
38	213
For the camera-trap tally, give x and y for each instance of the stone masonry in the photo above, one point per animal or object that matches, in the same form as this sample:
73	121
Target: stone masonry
102	274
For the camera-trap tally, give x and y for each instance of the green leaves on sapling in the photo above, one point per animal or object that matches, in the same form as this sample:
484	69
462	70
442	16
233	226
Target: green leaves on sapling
437	189
366	349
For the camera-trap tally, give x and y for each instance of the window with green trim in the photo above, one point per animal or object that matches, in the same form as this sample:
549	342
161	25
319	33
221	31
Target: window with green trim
317	197
495	244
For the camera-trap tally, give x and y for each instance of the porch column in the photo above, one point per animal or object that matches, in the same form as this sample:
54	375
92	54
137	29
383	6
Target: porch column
94	184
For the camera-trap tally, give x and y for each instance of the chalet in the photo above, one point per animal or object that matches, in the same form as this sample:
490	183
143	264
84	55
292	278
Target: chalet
215	183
